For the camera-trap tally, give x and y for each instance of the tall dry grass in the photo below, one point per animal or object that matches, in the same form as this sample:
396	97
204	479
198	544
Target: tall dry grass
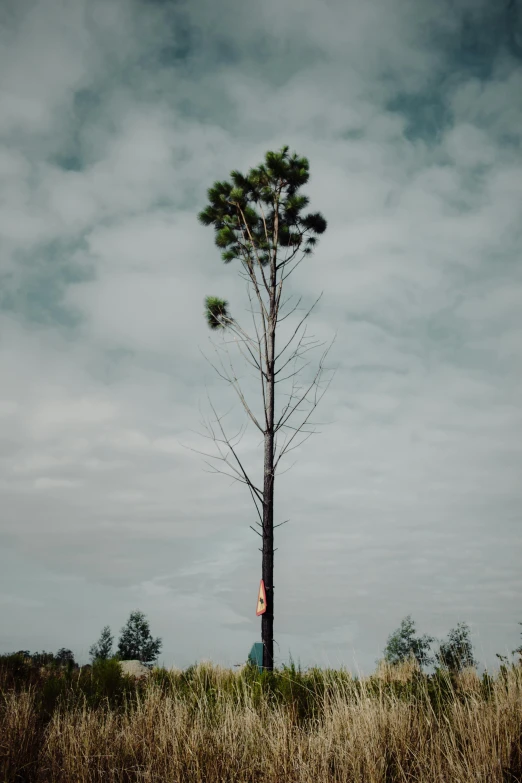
218	725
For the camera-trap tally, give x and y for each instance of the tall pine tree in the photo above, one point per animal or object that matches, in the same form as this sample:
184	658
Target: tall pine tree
259	222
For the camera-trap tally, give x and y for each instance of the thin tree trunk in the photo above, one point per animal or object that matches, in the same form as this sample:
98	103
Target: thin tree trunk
267	619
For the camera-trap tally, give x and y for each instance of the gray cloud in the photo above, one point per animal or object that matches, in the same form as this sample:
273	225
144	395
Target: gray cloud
116	118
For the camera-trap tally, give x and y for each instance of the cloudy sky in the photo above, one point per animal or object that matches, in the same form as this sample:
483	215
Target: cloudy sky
116	116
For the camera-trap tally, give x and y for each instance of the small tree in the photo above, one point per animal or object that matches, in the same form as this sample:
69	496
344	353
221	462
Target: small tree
65	657
456	653
402	644
102	649
136	642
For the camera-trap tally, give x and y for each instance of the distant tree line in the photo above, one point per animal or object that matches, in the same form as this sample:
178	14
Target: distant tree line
63	658
135	643
454	653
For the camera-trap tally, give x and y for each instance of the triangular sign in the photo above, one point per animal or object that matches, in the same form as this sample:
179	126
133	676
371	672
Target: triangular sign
261	599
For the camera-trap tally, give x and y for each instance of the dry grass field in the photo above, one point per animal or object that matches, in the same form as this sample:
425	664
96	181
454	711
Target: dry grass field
211	725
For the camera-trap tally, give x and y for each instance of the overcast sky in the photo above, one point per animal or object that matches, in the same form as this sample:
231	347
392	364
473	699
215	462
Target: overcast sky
116	116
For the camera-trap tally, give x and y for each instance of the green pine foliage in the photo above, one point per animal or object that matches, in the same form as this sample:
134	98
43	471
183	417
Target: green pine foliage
256	215
216	312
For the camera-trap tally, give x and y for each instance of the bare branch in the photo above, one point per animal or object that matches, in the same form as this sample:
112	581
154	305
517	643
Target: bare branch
245	338
260	204
290	271
288	259
291	397
237	477
213	469
253	245
286	450
298	326
280	320
235	384
247	263
284	418
262	356
241	474
238	343
264	375
233	381
282	472
316	402
287	377
295	355
299	349
218	421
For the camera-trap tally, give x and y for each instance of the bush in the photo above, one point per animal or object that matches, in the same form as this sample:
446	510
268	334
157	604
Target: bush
402	644
104	684
456	653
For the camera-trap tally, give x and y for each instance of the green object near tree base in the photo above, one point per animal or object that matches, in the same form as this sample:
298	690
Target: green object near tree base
255	655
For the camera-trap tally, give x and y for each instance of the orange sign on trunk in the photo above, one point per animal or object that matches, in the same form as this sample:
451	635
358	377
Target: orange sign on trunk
261	599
